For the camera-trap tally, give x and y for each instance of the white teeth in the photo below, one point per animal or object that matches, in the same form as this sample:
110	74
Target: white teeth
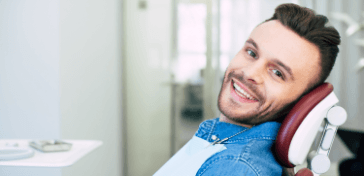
243	92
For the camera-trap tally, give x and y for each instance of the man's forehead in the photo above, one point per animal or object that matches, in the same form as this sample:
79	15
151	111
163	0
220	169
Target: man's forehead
275	41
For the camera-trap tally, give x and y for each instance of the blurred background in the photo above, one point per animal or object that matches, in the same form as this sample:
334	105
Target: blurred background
141	75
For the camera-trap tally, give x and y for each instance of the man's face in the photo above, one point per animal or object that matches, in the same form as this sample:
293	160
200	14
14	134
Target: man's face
273	69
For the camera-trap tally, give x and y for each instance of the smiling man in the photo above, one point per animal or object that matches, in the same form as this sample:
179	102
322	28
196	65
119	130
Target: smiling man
273	69
284	57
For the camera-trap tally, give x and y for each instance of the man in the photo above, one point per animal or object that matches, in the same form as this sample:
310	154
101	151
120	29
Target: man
284	57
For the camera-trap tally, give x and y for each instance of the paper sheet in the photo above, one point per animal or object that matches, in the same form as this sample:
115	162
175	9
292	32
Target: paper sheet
188	160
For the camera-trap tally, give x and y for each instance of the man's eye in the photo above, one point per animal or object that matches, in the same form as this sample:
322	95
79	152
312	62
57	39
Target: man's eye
278	73
252	54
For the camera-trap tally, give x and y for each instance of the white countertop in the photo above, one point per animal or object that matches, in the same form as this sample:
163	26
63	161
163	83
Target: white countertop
79	149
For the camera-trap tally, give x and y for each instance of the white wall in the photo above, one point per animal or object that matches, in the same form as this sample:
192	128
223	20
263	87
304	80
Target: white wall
60	77
90	82
29	75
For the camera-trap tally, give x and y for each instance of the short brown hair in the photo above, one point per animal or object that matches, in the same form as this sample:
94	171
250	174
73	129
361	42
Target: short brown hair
311	26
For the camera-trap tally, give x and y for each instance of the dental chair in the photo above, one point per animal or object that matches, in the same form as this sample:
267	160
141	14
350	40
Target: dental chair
300	127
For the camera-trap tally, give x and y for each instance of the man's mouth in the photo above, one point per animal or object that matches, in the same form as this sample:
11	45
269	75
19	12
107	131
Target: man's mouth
241	95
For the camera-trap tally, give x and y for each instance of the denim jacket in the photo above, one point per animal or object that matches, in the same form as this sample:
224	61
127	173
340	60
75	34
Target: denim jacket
248	153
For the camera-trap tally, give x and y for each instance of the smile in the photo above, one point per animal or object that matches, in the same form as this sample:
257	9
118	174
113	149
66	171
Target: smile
241	95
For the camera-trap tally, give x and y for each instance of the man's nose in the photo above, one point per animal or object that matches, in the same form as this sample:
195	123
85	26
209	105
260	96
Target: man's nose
255	71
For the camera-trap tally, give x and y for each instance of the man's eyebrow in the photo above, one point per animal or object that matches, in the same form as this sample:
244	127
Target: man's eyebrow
251	41
284	66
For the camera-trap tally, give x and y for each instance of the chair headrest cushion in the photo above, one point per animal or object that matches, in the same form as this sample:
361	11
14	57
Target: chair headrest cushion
294	119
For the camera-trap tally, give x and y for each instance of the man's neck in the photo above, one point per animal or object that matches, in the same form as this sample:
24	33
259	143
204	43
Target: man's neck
223	118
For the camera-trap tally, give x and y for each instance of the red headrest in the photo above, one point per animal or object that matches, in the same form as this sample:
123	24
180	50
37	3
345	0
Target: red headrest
294	119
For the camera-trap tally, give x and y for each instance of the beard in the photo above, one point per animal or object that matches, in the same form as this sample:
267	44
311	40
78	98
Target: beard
248	113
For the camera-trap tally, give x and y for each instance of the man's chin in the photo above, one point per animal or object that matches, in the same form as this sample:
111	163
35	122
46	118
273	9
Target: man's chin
242	121
238	117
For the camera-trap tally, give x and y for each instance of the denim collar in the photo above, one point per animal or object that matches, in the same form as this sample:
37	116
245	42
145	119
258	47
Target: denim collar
221	130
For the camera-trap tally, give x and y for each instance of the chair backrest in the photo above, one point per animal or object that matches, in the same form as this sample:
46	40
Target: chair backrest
300	127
